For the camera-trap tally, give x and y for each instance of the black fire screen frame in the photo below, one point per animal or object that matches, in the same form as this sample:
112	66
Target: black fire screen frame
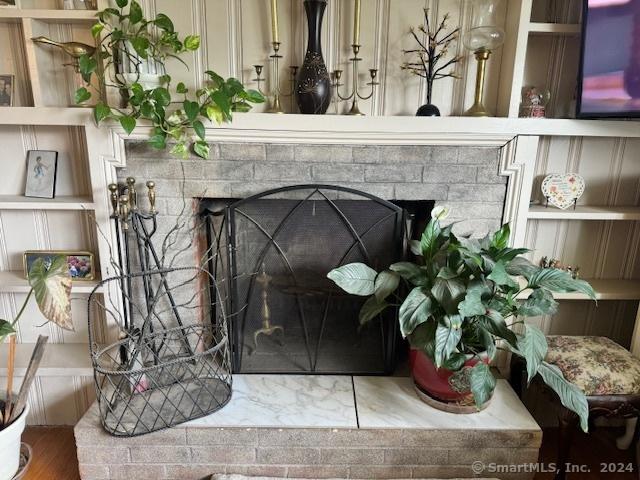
312	192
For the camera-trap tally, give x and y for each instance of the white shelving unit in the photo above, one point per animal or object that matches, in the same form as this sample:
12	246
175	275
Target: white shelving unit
61	360
15	282
17	202
582	212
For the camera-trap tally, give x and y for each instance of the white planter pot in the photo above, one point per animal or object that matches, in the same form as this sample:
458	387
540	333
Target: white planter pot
149	81
10	446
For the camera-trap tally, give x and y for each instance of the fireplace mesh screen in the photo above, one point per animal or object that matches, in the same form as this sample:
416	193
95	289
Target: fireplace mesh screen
287	317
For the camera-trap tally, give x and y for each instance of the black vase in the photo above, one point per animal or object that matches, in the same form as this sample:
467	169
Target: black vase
313	85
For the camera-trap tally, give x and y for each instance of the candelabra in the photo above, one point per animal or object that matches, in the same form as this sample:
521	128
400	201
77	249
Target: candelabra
276	91
355	93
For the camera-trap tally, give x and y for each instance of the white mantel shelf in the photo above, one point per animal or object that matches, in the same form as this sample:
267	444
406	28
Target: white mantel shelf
390	126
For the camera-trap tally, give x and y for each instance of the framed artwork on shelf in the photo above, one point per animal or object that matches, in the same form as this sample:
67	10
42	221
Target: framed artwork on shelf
7	86
9	3
42	169
80	263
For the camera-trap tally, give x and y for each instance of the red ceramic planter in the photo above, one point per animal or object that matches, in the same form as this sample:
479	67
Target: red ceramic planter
435	381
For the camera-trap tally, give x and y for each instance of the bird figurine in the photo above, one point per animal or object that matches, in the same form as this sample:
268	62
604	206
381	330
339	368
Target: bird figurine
73	49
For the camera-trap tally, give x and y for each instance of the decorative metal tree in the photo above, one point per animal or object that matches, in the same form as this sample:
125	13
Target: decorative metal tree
430	59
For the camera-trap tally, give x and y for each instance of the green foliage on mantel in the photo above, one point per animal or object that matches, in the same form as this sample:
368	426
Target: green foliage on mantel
462	302
125	36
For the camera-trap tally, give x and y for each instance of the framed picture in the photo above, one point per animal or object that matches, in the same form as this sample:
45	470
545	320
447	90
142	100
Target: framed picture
10	3
80	263
42	168
7	83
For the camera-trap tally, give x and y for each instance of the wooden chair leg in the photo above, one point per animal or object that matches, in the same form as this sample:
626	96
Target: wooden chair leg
568	424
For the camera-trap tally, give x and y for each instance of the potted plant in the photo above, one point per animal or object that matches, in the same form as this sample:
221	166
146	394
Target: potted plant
131	57
461	305
51	286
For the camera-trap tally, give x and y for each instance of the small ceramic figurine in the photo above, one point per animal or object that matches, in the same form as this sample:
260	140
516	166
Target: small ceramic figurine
534	102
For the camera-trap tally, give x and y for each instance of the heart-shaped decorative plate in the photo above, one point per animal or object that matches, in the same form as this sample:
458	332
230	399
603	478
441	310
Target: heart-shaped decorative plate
562	189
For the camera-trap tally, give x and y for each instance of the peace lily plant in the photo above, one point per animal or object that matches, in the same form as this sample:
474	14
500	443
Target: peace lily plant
128	41
463	300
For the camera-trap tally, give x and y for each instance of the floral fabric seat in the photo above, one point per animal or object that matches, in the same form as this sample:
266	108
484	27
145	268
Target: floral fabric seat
597	365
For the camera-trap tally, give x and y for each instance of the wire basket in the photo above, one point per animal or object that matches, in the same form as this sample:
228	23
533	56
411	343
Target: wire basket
172	361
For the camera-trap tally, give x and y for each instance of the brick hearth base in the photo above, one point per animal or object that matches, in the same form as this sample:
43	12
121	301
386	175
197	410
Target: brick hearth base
322	427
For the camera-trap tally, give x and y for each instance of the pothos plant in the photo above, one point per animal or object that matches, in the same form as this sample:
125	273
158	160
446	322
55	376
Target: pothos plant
463	299
123	34
51	286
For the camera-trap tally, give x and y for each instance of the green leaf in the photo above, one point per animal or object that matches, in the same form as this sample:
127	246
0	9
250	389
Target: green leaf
214	113
411	272
158	141
385	284
448	292
51	285
447	338
164	22
355	278
101	111
371	309
122	3
520	266
472	304
540	302
192	42
560	281
222	100
97	29
82	95
128	123
201	148
181	88
500	239
482	383
87	65
5	329
216	80
162	96
135	12
180	149
253	96
241	107
488	341
141	45
500	276
424	338
192	109
455	362
415	310
198	127
414	245
508	254
233	87
494	322
532	346
570	395
429	240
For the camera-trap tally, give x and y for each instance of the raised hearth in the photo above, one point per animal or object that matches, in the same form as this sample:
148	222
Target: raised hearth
320	427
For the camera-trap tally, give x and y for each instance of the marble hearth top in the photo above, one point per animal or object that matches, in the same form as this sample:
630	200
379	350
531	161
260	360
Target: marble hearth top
325	401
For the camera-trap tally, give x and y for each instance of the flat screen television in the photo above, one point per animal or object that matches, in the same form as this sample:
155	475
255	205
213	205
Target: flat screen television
609	81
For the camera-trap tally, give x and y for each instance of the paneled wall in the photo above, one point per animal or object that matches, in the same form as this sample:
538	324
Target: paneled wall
236	35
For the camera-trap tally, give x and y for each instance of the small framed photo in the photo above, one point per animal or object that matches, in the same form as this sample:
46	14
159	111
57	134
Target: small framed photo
9	3
42	169
80	264
7	84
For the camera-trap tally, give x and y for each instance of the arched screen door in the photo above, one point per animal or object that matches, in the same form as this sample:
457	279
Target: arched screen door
286	316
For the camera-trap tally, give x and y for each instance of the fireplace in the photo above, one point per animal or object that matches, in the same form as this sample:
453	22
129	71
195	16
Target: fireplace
286	316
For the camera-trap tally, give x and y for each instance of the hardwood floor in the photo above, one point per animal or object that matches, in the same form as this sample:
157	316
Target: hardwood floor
55	454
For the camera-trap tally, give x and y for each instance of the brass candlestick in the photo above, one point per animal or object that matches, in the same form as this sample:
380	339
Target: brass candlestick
355	94
113	188
151	193
478	109
276	91
131	191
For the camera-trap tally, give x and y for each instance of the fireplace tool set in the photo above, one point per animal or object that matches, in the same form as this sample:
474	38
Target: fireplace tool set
171	362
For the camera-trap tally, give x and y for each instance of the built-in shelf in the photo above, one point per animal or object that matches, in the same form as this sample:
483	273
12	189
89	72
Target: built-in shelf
15	282
54	16
19	202
59	360
555	28
540	212
606	289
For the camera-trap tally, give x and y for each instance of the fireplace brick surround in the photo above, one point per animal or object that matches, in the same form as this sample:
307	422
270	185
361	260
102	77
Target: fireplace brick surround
386	432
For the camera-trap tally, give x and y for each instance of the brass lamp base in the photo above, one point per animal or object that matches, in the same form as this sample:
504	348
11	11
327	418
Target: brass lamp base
478	109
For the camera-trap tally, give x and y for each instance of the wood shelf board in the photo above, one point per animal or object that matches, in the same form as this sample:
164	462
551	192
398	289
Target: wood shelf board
59	360
606	289
19	202
14	282
582	212
53	16
540	28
